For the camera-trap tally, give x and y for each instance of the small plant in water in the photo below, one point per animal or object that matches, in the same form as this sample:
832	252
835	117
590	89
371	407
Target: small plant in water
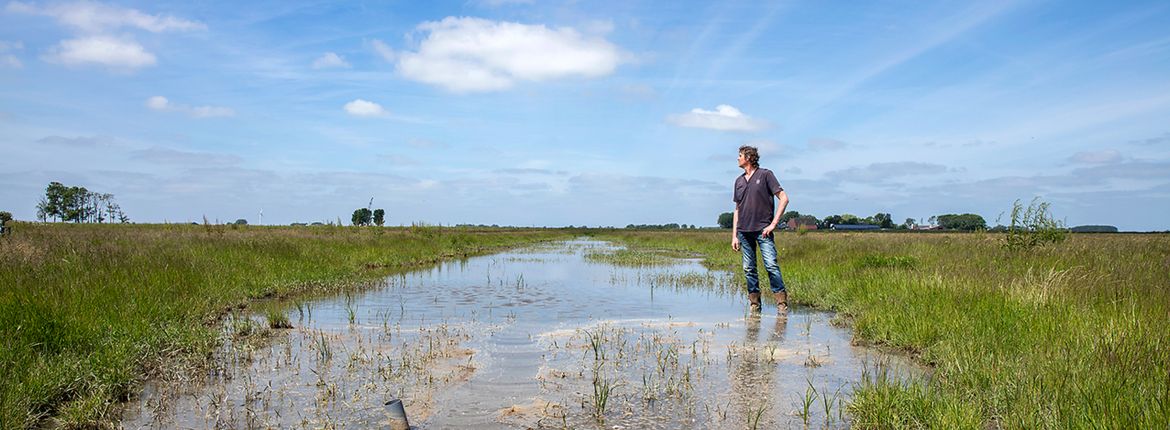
277	319
810	396
755	415
602	390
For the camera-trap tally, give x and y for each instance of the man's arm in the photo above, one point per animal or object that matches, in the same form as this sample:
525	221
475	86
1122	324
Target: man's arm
780	211
735	229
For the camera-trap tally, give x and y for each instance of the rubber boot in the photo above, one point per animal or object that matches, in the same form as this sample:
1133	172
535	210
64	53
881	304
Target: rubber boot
781	302
754	298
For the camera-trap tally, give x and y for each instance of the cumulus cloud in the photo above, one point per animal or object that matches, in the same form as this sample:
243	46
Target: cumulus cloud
825	144
383	50
1096	157
330	60
95	21
476	55
723	118
94	17
365	108
161	103
102	50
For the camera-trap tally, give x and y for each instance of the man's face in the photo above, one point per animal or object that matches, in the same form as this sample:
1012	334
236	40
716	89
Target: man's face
743	162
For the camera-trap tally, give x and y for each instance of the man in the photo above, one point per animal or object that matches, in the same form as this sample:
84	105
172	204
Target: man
755	218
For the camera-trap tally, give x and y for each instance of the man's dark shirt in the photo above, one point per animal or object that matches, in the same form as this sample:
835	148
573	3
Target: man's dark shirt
755	199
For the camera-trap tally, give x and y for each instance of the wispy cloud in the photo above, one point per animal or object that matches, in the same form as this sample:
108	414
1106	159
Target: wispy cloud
723	118
7	59
825	144
330	60
383	50
93	17
478	55
1096	157
160	103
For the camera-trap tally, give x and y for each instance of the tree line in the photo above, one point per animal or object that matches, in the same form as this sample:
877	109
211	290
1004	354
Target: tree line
965	222
78	204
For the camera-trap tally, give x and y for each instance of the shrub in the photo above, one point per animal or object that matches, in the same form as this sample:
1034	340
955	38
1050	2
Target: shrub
1033	226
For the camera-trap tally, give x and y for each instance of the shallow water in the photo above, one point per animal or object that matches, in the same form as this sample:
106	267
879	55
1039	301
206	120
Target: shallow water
534	338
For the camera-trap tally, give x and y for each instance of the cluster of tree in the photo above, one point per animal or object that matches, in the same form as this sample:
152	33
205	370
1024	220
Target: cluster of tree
671	226
364	216
5	216
970	222
77	204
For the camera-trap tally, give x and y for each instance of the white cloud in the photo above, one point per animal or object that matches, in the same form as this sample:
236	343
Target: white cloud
723	118
383	50
330	60
161	103
360	107
94	17
102	50
1107	156
473	54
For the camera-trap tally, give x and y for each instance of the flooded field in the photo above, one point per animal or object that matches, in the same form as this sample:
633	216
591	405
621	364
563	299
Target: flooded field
542	337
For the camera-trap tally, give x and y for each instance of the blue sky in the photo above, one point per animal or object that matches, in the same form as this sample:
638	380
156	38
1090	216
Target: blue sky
597	113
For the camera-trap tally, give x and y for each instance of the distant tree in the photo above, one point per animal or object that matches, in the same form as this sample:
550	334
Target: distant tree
788	215
362	216
241	221
884	220
966	222
726	220
379	217
77	204
909	223
829	222
5	216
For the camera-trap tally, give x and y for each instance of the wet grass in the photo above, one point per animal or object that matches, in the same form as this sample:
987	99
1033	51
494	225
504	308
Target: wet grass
87	311
1075	335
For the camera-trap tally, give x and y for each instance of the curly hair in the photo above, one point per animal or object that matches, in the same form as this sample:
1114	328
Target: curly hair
751	154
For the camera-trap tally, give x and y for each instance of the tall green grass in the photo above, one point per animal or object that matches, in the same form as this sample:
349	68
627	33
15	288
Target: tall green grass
1074	335
88	310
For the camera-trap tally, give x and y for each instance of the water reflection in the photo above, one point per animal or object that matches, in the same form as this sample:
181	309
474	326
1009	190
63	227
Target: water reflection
536	338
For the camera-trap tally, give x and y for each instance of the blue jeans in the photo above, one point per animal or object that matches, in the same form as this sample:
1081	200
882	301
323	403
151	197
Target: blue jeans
748	240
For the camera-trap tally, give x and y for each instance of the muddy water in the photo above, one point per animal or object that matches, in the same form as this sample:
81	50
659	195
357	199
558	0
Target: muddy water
542	337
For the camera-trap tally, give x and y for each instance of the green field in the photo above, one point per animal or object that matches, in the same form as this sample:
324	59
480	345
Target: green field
88	310
1072	335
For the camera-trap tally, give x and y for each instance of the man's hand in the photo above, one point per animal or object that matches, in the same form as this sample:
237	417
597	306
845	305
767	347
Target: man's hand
768	230
735	242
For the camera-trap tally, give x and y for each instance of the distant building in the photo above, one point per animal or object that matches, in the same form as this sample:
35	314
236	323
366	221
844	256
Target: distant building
797	224
855	227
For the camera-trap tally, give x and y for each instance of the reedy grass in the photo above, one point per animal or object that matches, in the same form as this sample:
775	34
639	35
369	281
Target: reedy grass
86	311
1068	336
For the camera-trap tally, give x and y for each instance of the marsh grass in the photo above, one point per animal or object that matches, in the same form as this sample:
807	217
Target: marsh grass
87	311
1071	335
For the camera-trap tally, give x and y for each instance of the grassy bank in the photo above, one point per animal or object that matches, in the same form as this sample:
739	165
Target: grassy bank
1075	335
87	310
